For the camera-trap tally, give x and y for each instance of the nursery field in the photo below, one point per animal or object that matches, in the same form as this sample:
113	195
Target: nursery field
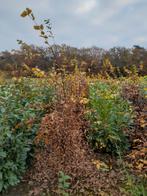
73	119
72	134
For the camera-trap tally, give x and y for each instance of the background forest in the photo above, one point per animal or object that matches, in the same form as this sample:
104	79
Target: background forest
119	60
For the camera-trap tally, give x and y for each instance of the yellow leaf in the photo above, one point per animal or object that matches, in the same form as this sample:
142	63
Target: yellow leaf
84	101
36	27
24	14
29	11
100	165
140	166
143	161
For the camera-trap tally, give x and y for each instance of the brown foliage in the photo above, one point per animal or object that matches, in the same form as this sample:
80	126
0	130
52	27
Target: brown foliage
138	137
65	149
131	92
138	155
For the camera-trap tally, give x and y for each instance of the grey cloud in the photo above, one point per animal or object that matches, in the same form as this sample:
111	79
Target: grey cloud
77	22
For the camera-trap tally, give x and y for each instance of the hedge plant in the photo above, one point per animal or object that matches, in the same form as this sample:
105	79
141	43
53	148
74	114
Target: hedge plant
110	117
22	104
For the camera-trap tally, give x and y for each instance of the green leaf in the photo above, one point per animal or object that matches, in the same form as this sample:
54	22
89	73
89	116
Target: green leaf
3	154
1	176
12	179
1	185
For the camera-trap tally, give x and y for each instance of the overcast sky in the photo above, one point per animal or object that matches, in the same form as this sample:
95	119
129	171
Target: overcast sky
80	23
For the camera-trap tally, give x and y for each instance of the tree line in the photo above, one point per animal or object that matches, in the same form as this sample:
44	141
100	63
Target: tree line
117	61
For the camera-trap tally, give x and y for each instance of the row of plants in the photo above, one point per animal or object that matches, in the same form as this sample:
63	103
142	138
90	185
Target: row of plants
111	113
110	116
22	104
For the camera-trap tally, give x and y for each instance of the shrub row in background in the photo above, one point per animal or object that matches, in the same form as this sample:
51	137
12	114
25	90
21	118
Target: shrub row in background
21	108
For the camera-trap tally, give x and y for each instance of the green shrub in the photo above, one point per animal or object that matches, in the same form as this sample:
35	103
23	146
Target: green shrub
63	183
143	86
134	186
109	117
21	108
